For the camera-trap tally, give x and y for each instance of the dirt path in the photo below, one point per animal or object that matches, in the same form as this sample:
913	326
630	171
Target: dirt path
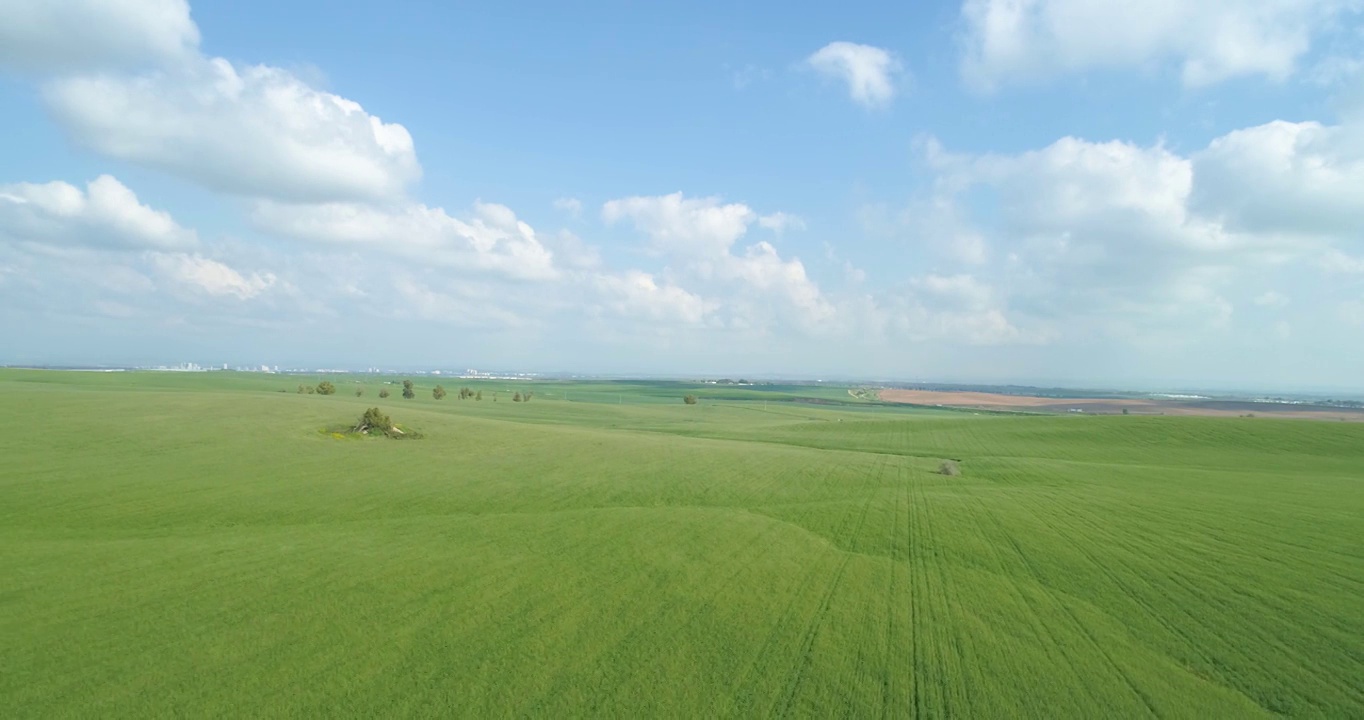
1115	406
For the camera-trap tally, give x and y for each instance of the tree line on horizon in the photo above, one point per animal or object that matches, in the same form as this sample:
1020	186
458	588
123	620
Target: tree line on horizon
326	387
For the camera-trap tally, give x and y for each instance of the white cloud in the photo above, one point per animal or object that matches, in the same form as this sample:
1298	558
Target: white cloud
1010	41
466	306
53	36
572	206
688	226
493	240
638	294
958	308
780	222
256	131
210	276
105	215
1303	178
937	222
868	71
1101	237
697	235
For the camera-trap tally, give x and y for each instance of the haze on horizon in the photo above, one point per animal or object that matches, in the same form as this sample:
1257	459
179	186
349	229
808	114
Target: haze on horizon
982	190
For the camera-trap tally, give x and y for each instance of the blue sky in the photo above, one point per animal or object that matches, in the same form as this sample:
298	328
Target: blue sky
1074	192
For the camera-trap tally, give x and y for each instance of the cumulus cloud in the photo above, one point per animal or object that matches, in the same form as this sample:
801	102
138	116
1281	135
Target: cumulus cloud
1100	233
958	308
211	277
1304	178
1010	41
255	131
53	36
696	236
677	224
638	294
1147	244
868	71
492	240
106	215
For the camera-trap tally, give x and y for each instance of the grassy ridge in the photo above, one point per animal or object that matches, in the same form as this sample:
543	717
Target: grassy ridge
192	545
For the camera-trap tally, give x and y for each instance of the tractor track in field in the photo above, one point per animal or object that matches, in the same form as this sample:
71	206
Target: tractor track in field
1075	620
1179	580
1040	627
817	621
772	637
666	610
1130	591
887	672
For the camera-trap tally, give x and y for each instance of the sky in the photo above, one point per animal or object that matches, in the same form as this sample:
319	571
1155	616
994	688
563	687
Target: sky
1069	192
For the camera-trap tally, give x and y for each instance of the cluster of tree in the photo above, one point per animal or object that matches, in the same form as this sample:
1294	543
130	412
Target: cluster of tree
326	388
438	392
383	392
689	399
305	389
522	397
408	392
466	393
374	420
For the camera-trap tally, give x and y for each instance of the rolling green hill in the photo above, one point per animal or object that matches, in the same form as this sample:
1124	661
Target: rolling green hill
197	545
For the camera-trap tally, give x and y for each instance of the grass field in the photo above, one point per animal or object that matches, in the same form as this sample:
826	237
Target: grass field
194	545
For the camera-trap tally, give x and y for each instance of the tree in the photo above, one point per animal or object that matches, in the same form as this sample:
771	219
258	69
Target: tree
308	389
326	388
374	420
516	397
689	399
408	393
438	392
359	392
1126	411
383	393
300	390
525	397
478	395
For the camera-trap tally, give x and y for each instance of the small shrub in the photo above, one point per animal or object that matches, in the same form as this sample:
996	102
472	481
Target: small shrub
478	395
359	392
326	388
438	392
383	393
516	397
300	390
689	399
949	468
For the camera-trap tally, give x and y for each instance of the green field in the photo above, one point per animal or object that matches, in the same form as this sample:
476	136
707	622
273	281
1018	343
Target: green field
197	545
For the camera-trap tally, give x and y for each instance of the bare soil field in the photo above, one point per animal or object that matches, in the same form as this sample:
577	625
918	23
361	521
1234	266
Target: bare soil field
1115	406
